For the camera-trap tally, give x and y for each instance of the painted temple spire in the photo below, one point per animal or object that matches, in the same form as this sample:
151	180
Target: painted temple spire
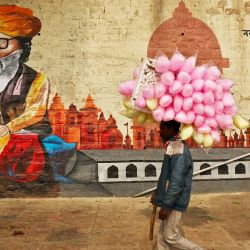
89	104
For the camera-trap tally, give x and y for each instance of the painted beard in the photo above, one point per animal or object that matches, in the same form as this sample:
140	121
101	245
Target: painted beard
11	59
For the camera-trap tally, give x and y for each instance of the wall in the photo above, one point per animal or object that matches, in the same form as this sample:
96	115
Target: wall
88	47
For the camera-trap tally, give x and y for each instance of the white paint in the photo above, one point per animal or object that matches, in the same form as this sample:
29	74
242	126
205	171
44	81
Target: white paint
103	171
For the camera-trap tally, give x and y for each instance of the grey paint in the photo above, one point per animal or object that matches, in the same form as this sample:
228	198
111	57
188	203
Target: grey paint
198	154
85	169
201	186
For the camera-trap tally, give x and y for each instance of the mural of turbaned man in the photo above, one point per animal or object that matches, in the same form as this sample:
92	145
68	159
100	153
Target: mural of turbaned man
38	139
29	151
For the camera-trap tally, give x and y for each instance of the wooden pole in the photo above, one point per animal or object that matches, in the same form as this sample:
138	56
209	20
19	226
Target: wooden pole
151	232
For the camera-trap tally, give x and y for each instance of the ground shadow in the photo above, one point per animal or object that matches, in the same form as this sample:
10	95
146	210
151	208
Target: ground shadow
196	216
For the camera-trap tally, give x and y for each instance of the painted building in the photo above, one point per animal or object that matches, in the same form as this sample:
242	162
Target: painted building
87	127
90	130
130	172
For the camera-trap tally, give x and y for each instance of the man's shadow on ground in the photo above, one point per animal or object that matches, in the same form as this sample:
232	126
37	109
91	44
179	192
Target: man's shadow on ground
193	217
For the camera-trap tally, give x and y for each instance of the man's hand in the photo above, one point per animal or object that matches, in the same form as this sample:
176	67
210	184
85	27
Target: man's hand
152	199
163	214
4	130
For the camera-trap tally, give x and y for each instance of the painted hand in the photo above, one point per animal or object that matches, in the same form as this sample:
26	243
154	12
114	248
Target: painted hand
163	214
4	130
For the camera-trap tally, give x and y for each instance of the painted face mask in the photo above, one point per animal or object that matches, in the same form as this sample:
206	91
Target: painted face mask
11	59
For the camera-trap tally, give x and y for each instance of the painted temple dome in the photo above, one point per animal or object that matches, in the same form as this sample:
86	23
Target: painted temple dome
72	107
56	103
111	137
189	35
111	122
102	118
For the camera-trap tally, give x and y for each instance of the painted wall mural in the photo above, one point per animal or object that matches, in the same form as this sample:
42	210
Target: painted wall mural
40	141
28	147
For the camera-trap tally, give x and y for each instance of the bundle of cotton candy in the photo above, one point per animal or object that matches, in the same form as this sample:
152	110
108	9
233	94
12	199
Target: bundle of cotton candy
196	96
126	89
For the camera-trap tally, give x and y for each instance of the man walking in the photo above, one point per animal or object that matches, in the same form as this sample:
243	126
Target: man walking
173	190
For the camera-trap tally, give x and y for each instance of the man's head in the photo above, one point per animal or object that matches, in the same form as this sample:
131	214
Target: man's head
17	28
169	129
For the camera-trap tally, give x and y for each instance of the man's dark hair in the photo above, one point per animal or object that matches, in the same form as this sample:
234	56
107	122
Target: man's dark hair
171	124
25	43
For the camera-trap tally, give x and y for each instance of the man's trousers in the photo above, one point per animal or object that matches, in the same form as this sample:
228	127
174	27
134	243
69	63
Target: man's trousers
171	234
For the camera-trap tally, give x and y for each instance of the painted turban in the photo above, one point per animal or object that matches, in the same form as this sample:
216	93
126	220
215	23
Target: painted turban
17	21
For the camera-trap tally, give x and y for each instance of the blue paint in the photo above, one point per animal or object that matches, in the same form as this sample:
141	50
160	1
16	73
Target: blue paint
54	145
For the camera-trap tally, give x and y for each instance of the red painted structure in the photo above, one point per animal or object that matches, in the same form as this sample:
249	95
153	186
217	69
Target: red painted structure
88	127
190	35
23	158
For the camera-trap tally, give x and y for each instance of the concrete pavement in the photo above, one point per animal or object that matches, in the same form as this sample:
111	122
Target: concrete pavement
215	221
